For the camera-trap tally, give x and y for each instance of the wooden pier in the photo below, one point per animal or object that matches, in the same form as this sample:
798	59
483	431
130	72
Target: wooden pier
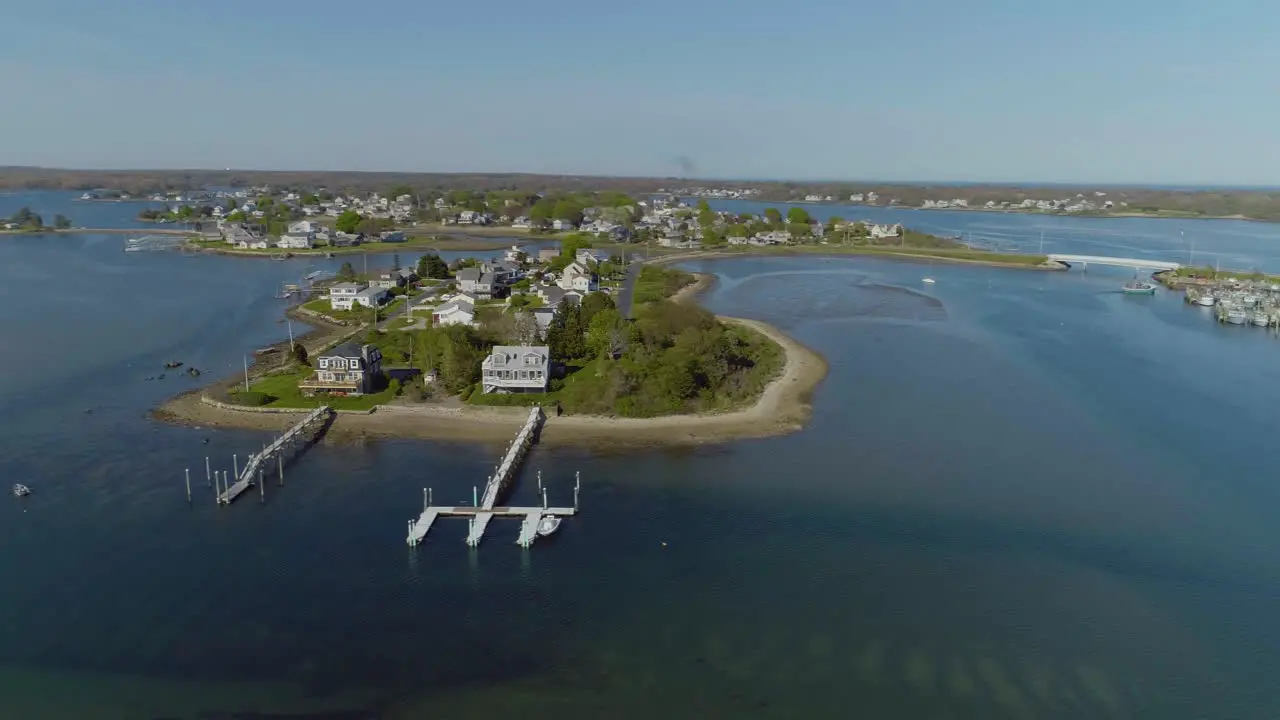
298	437
498	484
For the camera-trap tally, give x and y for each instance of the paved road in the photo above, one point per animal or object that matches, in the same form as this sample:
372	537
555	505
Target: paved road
627	291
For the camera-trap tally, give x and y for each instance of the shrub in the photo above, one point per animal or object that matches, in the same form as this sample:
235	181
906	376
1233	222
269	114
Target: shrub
251	398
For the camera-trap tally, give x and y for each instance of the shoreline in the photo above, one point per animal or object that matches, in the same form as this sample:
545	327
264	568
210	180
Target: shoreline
912	257
783	407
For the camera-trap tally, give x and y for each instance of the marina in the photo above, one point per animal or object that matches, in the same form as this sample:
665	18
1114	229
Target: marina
535	521
1239	303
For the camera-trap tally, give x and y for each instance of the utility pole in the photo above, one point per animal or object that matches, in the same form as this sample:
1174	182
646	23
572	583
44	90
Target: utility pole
246	373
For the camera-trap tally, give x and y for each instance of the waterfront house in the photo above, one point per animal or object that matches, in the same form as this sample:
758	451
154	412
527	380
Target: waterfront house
342	295
563	225
467	217
296	242
408	275
460	310
514	369
522	222
348	369
387	279
515	255
392	236
372	297
546	255
252	244
475	282
504	272
551	296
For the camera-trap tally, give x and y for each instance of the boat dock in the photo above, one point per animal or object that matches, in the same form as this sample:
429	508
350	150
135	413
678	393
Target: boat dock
299	436
484	508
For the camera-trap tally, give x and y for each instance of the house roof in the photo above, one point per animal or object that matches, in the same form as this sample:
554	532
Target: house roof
372	292
472	274
346	350
346	286
509	353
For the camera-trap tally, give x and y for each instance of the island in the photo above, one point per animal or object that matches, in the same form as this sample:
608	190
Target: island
614	353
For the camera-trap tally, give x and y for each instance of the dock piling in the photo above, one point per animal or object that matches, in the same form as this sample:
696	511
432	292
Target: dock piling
475	496
208	476
280	468
262	488
188	473
235	465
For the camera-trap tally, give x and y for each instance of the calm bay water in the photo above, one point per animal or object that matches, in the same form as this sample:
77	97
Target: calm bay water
1022	495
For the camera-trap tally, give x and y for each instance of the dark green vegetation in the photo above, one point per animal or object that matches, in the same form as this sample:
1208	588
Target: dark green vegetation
280	389
26	220
658	283
673	358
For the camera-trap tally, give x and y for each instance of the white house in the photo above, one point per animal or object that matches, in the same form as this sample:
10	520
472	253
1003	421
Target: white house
372	297
511	369
342	295
522	222
305	227
348	369
461	310
883	231
588	258
563	225
578	277
299	242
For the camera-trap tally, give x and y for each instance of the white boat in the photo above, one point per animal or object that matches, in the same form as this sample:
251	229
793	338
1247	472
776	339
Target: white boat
928	280
548	525
1206	300
1261	319
20	490
1236	316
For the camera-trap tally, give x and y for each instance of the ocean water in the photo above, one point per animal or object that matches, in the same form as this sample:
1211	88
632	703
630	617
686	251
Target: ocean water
1022	495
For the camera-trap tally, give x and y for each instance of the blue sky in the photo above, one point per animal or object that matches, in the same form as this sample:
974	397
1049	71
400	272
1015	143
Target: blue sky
988	90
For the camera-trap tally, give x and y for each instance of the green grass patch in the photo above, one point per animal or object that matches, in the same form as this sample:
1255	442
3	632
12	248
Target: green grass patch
659	283
282	391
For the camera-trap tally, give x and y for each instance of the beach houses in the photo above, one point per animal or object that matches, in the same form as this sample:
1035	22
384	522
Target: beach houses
348	369
372	297
514	369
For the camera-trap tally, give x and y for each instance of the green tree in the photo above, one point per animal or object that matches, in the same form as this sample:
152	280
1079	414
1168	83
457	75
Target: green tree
62	222
572	243
737	230
772	216
346	273
399	190
605	332
711	238
595	303
798	216
348	221
237	216
567	209
310	199
543	210
299	354
432	266
565	335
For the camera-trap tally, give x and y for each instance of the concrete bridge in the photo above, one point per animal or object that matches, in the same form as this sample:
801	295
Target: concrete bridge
1139	263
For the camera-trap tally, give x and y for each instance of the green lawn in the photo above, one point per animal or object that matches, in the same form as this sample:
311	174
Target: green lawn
284	389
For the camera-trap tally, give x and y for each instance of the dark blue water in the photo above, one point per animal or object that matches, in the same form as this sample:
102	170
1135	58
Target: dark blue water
1022	495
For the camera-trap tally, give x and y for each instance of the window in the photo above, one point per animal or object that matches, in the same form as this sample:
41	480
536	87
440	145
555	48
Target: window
324	362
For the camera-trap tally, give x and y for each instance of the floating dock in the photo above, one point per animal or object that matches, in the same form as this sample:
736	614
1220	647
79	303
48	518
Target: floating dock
499	483
300	435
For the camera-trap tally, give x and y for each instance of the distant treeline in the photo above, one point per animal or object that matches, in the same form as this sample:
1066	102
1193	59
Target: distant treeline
1254	204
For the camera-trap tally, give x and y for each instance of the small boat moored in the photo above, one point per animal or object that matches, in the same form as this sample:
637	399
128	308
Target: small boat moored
1260	318
548	525
1236	316
1205	300
928	280
20	490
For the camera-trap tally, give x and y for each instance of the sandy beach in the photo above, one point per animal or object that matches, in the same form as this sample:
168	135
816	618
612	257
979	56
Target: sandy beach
783	407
